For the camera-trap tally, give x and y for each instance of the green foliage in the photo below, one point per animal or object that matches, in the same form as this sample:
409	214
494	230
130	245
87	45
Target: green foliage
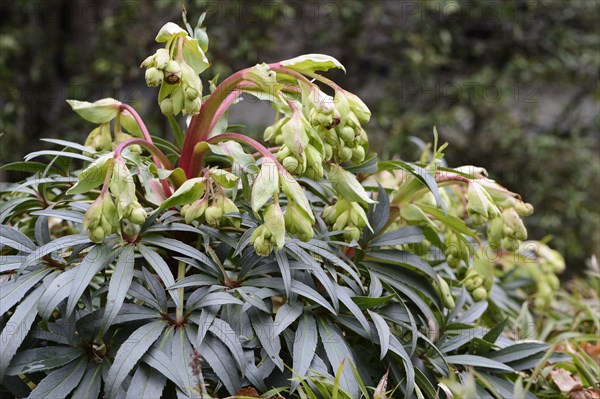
124	275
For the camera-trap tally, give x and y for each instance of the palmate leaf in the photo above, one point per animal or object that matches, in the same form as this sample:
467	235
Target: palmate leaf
129	353
221	330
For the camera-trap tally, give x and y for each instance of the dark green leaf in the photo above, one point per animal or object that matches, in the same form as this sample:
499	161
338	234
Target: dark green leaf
17	328
120	282
40	359
220	360
58	244
12	291
8	235
97	259
146	383
130	352
478	361
223	331
161	268
383	331
184	249
305	344
518	351
338	351
264	329
404	235
60	383
89	387
286	315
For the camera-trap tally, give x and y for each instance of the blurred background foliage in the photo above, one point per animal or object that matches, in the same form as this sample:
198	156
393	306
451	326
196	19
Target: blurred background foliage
511	85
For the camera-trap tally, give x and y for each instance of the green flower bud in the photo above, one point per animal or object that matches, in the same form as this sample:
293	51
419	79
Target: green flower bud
161	58
195	210
447	298
515	224
148	62
154	77
314	163
296	222
173	73
262	246
363	139
191	93
166	107
324	119
132	229
346	134
97	234
99	139
291	164
213	215
345	154
138	215
331	137
328	152
228	206
510	244
358	154
329	214
479	294
275	223
342	221
191	107
553	281
523	208
352	233
494	232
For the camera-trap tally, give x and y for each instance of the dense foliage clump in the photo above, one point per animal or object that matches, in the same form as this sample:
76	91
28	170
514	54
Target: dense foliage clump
214	263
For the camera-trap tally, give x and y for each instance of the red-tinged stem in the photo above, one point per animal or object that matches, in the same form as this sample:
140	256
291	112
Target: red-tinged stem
214	107
200	126
159	158
264	151
139	121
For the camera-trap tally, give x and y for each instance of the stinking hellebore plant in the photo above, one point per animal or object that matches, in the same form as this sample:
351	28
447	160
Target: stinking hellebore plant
199	267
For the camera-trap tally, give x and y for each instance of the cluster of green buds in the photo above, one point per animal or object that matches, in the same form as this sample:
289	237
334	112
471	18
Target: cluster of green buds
122	186
347	216
346	140
101	219
457	249
270	234
507	231
537	261
297	223
480	277
213	210
325	129
175	69
481	207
